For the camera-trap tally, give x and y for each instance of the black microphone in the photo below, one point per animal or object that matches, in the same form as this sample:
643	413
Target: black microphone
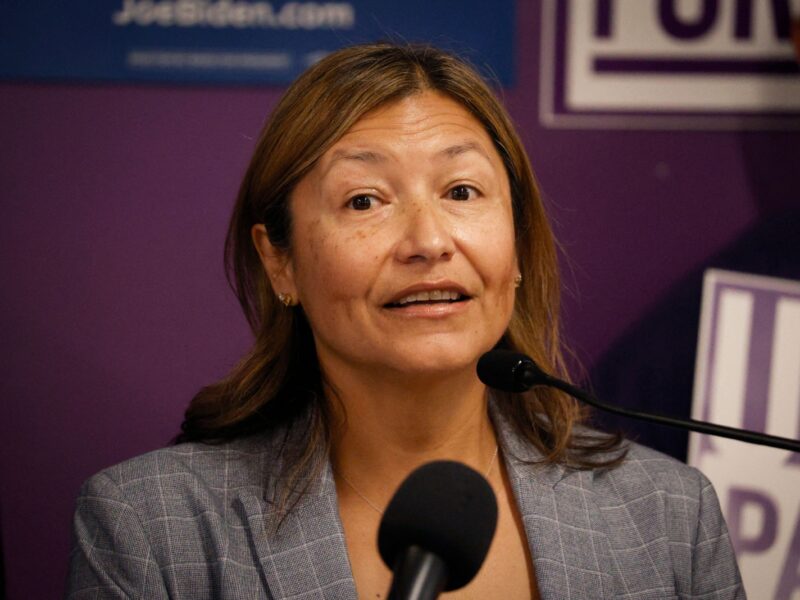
437	530
510	371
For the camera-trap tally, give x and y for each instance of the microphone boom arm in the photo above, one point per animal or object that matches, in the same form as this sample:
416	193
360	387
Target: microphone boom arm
733	433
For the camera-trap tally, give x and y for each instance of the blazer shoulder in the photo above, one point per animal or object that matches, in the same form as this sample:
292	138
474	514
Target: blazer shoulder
676	503
645	470
140	525
202	460
197	475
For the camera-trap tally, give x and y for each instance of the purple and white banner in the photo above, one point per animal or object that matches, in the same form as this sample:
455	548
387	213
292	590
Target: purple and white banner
748	375
677	64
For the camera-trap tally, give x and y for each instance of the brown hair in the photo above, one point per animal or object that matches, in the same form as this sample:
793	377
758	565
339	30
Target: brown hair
266	388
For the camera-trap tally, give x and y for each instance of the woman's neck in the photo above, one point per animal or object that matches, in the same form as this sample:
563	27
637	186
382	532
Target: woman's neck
386	426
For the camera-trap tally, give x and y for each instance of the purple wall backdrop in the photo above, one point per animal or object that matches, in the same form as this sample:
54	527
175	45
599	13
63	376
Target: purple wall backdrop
115	306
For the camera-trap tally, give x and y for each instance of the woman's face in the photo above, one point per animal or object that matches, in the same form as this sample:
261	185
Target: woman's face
403	251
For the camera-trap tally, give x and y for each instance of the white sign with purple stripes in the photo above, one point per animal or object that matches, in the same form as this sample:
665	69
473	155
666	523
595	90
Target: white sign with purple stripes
670	63
747	375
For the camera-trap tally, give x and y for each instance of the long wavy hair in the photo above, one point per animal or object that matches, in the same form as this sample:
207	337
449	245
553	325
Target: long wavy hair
272	386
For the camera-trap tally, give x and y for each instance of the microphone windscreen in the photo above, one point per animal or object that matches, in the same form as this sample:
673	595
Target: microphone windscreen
445	508
508	371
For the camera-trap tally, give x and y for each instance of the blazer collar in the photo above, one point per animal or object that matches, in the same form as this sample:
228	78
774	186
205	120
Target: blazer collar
565	528
305	556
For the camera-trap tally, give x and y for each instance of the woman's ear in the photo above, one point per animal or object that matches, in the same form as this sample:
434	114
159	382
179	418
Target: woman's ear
277	263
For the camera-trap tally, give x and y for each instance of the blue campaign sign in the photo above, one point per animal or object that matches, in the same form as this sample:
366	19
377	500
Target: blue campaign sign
235	41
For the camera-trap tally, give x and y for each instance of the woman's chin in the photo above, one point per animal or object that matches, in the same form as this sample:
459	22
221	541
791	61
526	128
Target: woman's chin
407	358
429	365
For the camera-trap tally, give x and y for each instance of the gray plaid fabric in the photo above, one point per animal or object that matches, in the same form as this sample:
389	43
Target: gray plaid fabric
193	522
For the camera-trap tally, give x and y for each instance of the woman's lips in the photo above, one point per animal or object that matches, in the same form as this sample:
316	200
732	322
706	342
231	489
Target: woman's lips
441	290
430	308
427	296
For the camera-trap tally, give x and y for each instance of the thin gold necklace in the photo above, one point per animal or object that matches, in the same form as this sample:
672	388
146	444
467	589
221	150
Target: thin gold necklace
378	510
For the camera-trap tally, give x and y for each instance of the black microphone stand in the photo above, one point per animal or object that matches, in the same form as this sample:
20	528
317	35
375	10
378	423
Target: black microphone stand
530	374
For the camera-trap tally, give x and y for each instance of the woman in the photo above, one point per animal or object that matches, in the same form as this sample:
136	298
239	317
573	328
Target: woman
387	233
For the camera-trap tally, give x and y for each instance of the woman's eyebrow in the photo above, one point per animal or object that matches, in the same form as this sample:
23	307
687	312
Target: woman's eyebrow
458	149
368	156
344	154
372	157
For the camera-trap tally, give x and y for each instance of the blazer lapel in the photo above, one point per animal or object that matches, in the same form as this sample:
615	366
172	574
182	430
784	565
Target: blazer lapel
307	557
564	526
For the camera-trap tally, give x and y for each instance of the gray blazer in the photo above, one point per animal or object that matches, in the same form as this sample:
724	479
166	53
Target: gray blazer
193	522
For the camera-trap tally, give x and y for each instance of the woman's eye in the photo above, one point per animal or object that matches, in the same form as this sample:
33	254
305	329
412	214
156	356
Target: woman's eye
362	202
461	192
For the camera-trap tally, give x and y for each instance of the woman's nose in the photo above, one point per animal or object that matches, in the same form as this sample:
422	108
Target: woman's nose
427	233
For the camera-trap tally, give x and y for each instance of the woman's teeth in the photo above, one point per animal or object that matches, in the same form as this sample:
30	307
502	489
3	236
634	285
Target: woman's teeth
432	295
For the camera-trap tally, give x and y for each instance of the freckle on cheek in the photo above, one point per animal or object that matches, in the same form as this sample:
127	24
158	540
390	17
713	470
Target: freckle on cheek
312	245
315	239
